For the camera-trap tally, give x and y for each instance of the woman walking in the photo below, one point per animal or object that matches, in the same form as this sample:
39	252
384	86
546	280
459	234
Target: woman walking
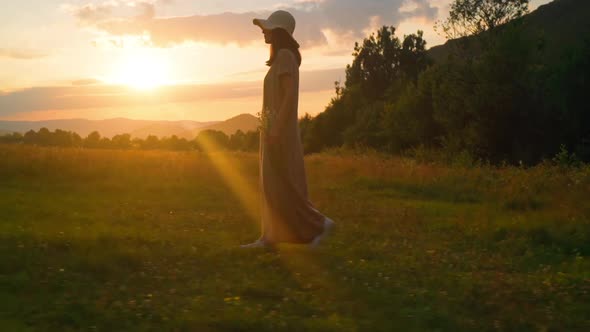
287	214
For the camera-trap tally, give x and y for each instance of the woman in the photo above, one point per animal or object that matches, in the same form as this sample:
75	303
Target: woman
287	214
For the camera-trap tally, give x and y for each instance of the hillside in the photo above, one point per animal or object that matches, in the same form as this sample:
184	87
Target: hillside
554	26
163	129
136	128
244	122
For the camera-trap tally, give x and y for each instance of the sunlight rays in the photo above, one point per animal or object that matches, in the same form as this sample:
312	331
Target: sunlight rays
232	176
305	265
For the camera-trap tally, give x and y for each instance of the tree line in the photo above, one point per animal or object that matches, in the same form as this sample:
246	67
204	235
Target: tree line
205	140
501	95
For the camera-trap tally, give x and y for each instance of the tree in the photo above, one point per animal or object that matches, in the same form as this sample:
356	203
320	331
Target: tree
151	142
305	122
30	137
174	143
76	140
212	140
412	58
252	141
382	60
105	143
44	136
408	120
382	65
236	141
92	140
374	62
13	137
122	141
62	138
472	17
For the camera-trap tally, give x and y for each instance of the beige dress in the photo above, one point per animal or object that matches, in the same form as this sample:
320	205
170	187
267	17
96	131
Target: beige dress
287	213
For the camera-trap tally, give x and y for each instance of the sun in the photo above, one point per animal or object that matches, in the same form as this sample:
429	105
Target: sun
142	69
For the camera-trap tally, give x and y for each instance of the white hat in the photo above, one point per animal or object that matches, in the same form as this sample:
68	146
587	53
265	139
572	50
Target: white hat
279	19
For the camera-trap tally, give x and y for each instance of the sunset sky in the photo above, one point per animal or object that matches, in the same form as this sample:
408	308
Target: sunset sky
178	59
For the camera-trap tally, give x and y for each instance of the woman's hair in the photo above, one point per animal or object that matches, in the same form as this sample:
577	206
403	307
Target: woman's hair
280	39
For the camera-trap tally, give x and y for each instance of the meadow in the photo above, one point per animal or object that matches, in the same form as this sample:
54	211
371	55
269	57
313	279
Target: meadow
115	240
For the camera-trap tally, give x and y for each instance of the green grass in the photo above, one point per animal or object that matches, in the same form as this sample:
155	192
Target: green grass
97	240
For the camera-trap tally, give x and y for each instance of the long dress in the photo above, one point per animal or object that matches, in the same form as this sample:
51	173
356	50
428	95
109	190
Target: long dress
287	213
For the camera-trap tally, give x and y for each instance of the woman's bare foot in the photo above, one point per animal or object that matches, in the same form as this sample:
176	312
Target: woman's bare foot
328	225
260	243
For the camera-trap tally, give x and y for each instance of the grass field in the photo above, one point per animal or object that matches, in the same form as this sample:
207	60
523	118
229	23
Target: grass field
97	240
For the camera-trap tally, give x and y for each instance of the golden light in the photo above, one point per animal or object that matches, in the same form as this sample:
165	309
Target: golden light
142	69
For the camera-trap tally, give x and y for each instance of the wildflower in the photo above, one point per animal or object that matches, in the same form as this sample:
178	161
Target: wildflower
265	118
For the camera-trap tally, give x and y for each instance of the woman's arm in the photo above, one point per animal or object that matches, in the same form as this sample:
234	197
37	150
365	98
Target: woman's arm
287	86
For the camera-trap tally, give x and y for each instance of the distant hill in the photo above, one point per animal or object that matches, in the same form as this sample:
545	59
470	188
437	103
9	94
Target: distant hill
165	129
555	26
244	122
108	127
136	128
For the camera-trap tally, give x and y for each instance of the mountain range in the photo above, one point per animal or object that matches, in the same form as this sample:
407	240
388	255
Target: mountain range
136	128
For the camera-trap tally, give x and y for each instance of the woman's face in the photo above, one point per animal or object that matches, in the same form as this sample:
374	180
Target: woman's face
267	36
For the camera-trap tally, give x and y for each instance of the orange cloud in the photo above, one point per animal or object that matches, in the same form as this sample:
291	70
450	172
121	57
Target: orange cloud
21	54
84	94
342	17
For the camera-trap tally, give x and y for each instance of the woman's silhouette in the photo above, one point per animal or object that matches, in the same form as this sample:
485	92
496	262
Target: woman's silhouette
287	214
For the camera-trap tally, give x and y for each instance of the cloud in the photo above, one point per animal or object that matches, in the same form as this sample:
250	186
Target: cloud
21	54
222	28
86	81
88	93
98	96
93	13
349	18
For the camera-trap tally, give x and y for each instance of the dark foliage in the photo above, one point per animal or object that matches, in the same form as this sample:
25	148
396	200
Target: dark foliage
516	95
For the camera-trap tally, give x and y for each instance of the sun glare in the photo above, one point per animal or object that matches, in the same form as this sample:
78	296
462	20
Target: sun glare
142	70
